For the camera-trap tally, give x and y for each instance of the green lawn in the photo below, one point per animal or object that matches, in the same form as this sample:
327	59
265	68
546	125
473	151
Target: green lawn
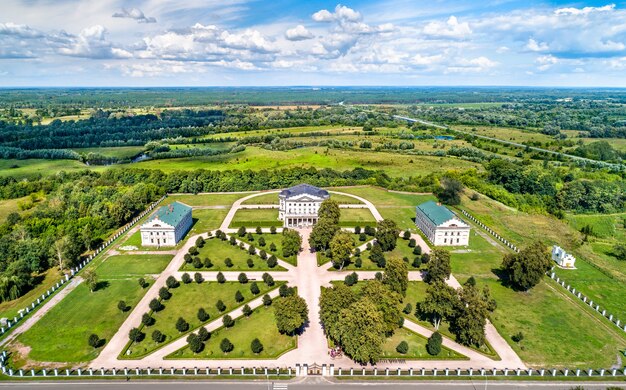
131	266
45	281
206	199
558	332
276	239
117	151
61	335
185	302
205	220
33	167
261	324
271	198
356	217
604	225
218	251
8	206
480	258
252	218
417	348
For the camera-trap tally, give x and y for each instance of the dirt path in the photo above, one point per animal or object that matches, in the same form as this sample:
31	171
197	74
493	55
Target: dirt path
51	303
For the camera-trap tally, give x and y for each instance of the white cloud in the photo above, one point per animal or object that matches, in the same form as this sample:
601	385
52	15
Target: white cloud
342	13
298	33
134	13
19	30
546	62
584	11
91	43
533	45
473	65
450	29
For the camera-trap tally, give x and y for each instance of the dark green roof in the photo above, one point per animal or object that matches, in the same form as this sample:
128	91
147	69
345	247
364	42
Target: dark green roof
171	214
436	213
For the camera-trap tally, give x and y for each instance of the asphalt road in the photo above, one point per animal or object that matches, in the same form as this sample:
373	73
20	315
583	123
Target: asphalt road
308	384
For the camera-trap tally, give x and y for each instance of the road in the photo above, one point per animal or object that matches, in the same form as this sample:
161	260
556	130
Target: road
311	383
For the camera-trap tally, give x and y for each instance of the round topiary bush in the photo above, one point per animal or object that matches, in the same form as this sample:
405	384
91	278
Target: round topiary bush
433	346
403	347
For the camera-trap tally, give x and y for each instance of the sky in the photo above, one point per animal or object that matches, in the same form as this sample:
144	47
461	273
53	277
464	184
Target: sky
315	43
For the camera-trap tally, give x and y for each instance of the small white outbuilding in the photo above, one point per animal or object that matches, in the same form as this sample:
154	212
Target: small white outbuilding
562	258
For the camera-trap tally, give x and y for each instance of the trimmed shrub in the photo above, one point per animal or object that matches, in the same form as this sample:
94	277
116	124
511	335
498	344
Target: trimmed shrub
221	278
122	306
200	242
262	242
188	258
272	247
226	346
412	243
228	262
256	346
182	325
268	279
246	310
135	335
207	263
272	261
267	300
358	262
186	278
197	263
193	251
403	347
164	293
406	235
362	237
155	305
197	277
220	305
273	229
239	296
202	315
263	254
157	336
408	309
232	240
228	321
146	319
357	230
251	250
171	282
242	278
94	340
142	282
433	346
254	288
259	230
250	237
241	231
250	263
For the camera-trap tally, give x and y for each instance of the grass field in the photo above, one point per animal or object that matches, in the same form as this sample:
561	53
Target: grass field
603	225
356	217
276	239
252	218
185	302
33	167
218	251
417	348
213	199
206	220
61	335
261	324
120	152
9	206
129	266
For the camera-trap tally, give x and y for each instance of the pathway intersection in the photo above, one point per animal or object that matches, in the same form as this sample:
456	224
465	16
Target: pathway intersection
312	348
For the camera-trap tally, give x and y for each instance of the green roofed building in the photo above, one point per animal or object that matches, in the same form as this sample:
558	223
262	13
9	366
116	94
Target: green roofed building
167	226
440	225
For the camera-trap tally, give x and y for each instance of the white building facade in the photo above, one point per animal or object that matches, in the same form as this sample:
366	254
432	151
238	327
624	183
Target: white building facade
562	258
440	225
167	226
299	205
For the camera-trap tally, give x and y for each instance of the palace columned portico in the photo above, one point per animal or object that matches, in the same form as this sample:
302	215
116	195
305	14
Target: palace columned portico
303	221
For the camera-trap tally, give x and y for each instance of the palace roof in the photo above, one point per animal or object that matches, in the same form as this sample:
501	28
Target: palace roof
301	189
172	214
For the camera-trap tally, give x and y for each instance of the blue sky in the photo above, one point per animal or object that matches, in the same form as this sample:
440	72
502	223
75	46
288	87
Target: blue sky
285	42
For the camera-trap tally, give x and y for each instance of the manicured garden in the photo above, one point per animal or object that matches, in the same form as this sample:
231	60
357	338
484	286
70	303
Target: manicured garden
185	302
416	348
402	251
269	239
260	325
218	255
251	218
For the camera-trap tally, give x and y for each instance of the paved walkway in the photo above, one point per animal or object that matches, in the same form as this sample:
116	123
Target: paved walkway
312	344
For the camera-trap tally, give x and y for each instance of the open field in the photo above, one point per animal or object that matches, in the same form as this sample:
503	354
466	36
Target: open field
120	152
9	206
185	301
34	167
61	335
261	324
252	218
356	217
129	266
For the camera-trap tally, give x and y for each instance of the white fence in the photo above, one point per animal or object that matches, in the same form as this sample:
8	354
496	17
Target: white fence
73	271
490	231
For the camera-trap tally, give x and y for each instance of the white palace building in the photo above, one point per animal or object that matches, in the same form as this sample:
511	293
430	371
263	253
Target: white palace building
167	225
440	225
298	205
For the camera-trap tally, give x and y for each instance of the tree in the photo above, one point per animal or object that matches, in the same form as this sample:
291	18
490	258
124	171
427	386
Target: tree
171	282
241	231
203	334
291	242
332	302
197	277
377	255
239	296
450	191
164	293
403	347
341	248
407	309
157	336
200	242
228	262
262	242
526	268
619	251
268	279
322	233
272	229
135	335
250	263
251	250
250	237
226	346
193	251
247	311
221	278
256	346
228	321
272	261
91	279
258	230
329	209
468	323
155	305
146	319
396	276
291	314
219	305
254	288
233	241
94	340
182	325
267	300
195	344
272	247
438	268
433	346
186	278
439	303
412	244
386	234
357	230
243	278
207	263
122	306
387	302
361	331
142	283
351	279
406	235
202	315
197	263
